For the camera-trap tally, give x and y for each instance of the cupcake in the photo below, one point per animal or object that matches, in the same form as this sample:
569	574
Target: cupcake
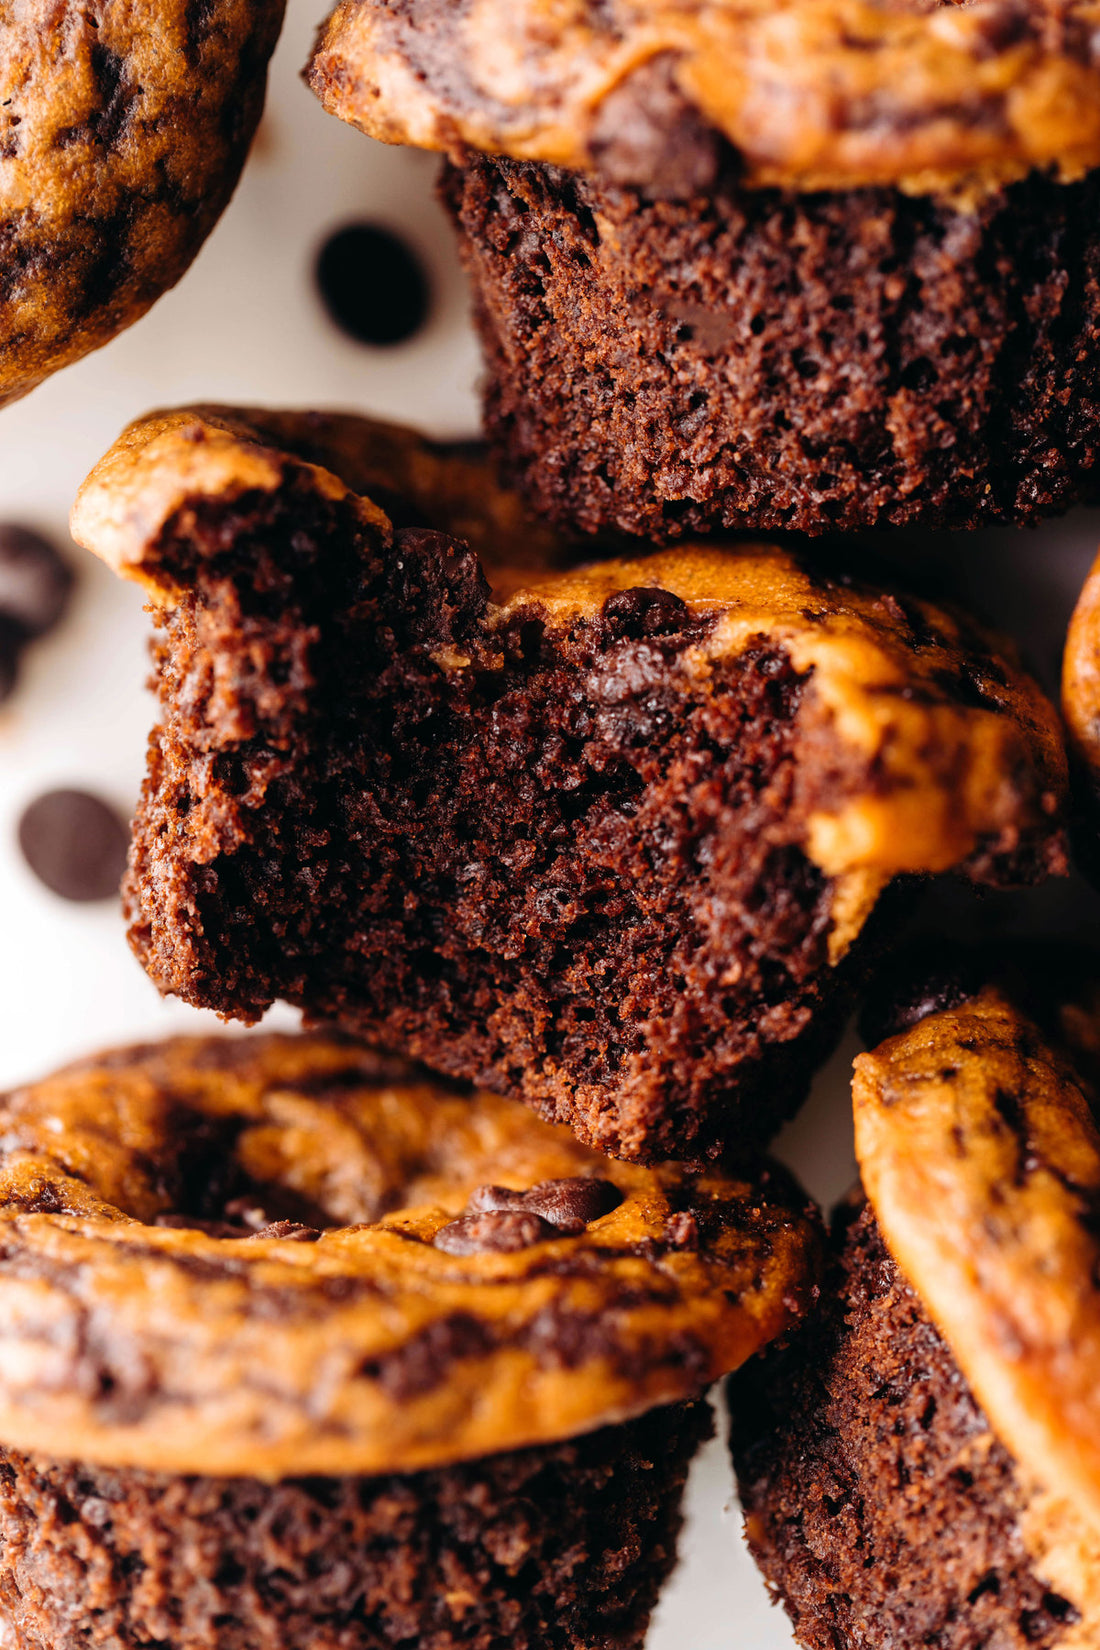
299	1347
615	844
1081	684
123	130
804	264
921	1466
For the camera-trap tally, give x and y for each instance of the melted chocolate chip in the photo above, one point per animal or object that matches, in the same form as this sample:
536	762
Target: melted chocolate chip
567	1205
289	1231
372	284
488	1198
643	610
571	1204
646	133
75	843
497	1231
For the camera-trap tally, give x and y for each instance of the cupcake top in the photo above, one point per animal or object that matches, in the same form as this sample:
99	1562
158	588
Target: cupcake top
163	463
809	94
980	1154
966	751
123	129
284	1255
1081	679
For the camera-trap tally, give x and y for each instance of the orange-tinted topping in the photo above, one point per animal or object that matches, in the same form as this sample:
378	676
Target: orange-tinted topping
281	1255
811	94
980	1153
947	720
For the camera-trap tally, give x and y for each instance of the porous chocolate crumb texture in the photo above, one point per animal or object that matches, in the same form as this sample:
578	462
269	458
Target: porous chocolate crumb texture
551	858
498	871
756	358
879	1505
563	1547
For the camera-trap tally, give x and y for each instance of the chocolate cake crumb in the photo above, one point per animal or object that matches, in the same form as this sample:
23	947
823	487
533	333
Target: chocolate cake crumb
564	1547
752	358
545	945
617	843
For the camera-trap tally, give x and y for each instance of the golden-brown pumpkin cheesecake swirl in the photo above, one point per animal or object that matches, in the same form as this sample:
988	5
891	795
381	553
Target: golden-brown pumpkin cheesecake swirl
299	1346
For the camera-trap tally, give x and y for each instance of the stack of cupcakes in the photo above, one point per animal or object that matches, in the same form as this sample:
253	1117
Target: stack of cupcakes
576	852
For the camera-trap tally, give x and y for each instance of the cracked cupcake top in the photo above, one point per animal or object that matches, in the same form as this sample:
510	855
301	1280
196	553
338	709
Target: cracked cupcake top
123	129
979	1150
810	94
277	1255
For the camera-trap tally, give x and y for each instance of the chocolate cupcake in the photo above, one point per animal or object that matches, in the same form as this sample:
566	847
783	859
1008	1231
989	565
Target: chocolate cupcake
921	1466
123	130
300	1347
809	264
613	845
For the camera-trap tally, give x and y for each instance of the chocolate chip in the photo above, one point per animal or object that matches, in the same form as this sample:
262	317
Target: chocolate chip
571	1204
74	843
372	284
567	1205
289	1231
498	1231
643	610
648	135
34	581
487	1198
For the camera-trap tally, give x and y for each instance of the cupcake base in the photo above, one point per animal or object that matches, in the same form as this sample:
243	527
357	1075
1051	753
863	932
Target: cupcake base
762	360
555	1548
879	1505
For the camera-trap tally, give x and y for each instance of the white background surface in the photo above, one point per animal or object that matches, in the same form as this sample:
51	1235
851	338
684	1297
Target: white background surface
245	325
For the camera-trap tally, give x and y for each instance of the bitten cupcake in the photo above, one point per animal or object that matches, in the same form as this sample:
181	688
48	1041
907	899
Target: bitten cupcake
922	1465
298	1347
767	264
616	844
123	130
